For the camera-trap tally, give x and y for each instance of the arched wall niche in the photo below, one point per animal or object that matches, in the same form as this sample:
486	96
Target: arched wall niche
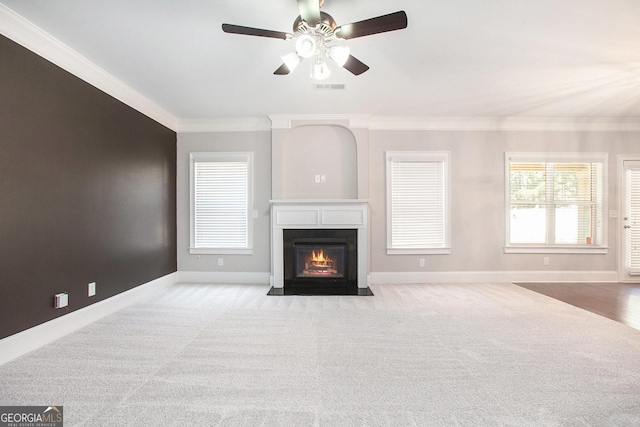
334	147
324	152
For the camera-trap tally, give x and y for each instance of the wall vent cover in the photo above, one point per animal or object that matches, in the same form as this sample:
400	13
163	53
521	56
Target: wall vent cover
331	86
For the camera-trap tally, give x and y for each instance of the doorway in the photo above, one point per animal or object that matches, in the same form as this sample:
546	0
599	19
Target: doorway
629	224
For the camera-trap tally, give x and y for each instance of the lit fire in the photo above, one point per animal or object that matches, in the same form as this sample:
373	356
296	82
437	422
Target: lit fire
319	258
319	263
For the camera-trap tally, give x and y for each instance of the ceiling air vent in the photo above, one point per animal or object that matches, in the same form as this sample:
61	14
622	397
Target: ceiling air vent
331	86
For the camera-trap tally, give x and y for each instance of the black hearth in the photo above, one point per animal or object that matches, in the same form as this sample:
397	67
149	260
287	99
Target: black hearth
321	262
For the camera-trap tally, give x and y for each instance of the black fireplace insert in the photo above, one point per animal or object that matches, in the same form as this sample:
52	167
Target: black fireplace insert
320	262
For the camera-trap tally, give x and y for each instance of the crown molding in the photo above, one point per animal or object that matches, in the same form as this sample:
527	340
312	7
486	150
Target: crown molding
25	33
287	121
566	124
382	123
248	124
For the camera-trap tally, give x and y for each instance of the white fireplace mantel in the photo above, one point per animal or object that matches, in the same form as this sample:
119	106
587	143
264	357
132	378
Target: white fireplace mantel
319	214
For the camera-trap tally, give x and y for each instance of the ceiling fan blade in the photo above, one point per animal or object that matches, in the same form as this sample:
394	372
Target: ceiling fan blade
355	66
310	11
249	31
283	70
381	24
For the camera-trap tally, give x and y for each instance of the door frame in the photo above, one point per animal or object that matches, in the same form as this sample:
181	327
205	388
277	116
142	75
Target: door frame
620	236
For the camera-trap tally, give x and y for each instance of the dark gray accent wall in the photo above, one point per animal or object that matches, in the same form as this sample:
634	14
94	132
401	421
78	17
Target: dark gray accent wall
87	192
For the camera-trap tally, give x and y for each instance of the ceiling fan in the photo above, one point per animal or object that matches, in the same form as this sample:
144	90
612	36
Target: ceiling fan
316	32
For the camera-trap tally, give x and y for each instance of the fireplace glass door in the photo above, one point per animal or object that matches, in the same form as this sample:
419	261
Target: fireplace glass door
320	261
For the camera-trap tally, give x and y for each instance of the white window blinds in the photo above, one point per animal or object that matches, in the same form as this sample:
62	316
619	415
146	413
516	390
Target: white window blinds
221	196
555	203
417	202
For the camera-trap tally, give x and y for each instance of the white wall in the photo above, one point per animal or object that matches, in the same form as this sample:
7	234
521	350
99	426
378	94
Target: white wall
329	151
477	196
477	161
260	144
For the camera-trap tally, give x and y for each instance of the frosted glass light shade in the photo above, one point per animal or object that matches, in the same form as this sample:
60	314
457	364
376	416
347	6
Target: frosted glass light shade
306	46
291	60
339	54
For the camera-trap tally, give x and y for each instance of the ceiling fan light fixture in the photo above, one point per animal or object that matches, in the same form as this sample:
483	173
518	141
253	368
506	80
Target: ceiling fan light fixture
314	31
340	54
306	46
321	71
291	60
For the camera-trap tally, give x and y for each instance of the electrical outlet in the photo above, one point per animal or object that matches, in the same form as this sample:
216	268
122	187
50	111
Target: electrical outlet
317	179
91	289
220	262
545	260
421	262
323	179
61	300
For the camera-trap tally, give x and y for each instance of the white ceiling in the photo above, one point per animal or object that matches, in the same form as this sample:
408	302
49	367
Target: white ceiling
457	58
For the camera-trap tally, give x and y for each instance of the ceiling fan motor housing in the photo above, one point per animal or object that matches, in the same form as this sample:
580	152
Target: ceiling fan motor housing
325	27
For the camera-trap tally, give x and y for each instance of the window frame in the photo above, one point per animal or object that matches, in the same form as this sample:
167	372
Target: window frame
555	248
216	157
424	156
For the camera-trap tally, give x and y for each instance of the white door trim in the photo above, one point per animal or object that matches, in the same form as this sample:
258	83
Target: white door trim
621	194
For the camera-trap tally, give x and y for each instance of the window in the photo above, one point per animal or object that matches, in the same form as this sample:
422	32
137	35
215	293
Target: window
418	202
221	195
555	202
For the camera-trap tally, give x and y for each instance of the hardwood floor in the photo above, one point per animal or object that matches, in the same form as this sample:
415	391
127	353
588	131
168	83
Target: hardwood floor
617	301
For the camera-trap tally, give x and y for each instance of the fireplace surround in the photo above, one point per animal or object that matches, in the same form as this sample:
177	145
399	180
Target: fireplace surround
304	150
338	229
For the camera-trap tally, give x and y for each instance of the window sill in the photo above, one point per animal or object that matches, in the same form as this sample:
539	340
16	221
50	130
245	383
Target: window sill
425	251
220	251
591	250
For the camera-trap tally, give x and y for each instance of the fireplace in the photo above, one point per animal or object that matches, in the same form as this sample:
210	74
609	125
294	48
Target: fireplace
319	247
320	261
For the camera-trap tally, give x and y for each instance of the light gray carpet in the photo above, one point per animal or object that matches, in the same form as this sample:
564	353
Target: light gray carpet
427	355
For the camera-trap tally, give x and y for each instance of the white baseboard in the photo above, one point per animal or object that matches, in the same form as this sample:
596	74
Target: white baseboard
223	277
382	278
38	336
492	277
